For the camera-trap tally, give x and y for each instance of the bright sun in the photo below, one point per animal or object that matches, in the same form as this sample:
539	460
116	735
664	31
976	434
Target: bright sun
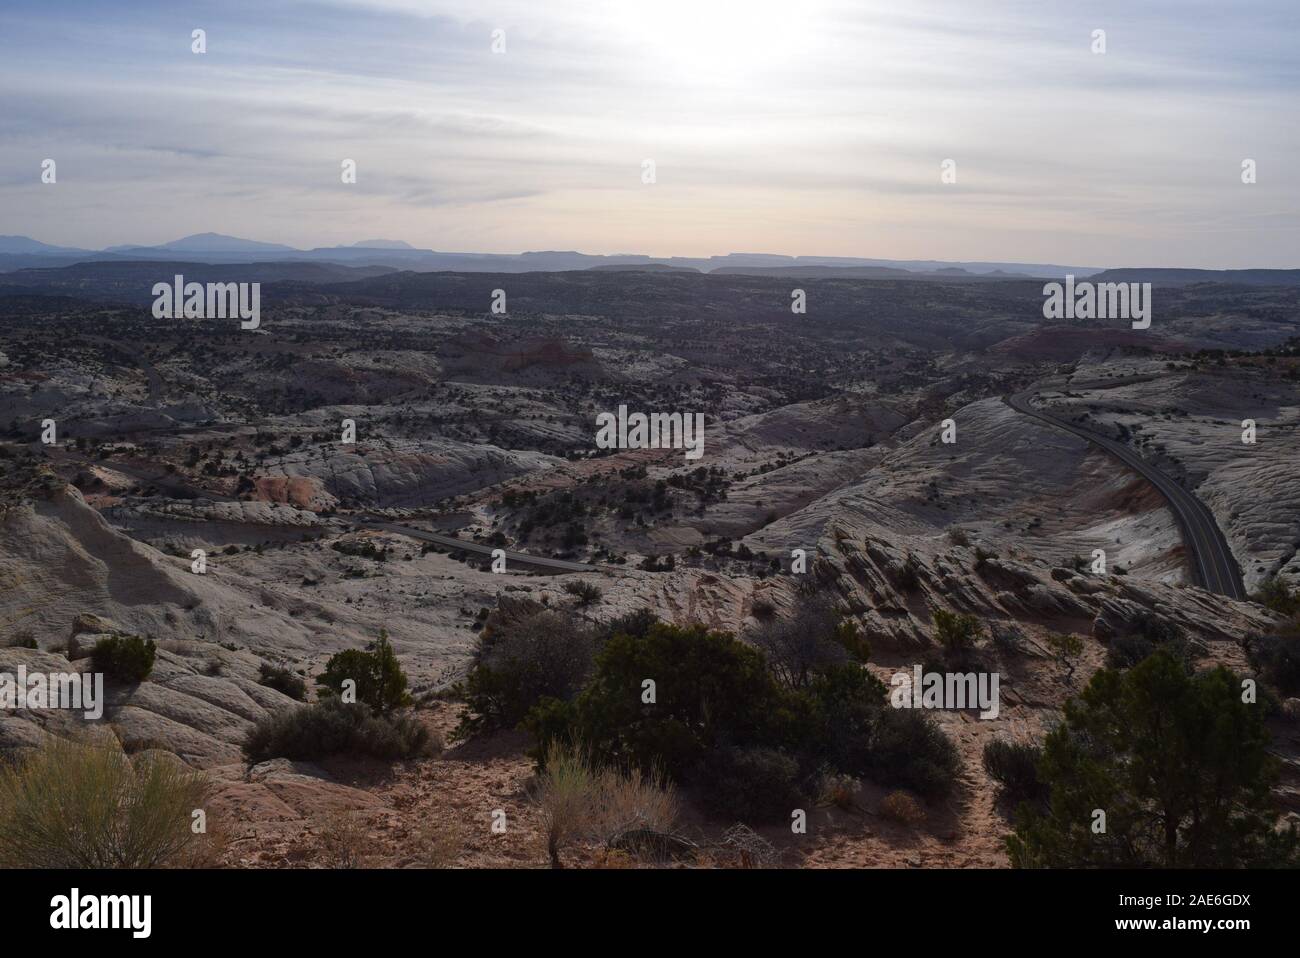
716	40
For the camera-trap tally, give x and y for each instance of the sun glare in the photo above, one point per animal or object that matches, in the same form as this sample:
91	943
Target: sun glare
716	41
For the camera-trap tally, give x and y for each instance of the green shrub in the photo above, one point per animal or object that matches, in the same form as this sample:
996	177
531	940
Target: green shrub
719	716
330	727
832	720
1126	651
755	785
846	721
1179	764
282	680
956	632
520	662
380	681
907	748
709	689
636	624
1278	596
86	804
1015	767
1277	659
1145	634
587	593
126	658
1154	628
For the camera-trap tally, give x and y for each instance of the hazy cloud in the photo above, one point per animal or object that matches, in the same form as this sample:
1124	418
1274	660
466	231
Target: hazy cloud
815	127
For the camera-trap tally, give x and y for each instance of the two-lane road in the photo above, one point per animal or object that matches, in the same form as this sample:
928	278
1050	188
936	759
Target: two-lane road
451	542
1212	564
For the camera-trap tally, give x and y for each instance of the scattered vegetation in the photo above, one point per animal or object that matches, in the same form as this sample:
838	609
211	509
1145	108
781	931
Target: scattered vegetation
1277	660
710	711
1066	649
1278	596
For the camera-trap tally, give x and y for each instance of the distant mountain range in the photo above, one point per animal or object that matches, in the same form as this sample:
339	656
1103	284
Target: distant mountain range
21	252
1161	276
377	256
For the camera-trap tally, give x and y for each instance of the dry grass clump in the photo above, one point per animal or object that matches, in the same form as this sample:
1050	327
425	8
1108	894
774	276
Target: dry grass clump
87	804
344	840
902	808
578	800
840	791
742	847
439	844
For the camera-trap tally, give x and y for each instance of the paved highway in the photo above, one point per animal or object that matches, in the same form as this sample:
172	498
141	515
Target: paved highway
1213	566
451	542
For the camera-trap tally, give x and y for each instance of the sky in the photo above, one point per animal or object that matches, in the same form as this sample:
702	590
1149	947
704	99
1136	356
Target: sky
807	127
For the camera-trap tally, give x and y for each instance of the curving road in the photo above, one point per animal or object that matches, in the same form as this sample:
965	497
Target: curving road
451	542
1213	566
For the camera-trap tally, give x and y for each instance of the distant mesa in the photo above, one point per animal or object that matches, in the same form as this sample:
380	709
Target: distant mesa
379	244
1162	276
642	268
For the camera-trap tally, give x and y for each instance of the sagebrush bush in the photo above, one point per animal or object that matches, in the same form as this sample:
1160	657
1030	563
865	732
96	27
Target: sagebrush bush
1014	766
86	804
126	658
282	680
330	727
565	797
587	593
